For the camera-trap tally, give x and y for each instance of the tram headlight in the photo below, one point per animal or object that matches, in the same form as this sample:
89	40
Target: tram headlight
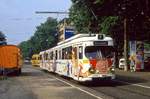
112	70
97	71
92	70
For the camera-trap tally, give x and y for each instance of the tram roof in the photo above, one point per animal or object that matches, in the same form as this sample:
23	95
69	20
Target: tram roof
78	39
42	52
85	37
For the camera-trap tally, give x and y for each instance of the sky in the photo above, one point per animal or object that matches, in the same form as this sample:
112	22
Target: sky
18	20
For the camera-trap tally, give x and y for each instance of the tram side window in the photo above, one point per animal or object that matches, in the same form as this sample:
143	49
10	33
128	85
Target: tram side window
69	52
60	54
32	58
46	57
63	53
56	55
66	53
51	55
80	52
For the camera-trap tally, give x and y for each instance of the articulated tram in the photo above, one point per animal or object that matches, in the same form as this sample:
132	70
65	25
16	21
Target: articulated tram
82	57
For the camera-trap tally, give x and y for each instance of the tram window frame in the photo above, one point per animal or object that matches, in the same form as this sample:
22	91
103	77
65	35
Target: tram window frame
74	49
43	58
49	56
40	57
69	49
63	56
80	52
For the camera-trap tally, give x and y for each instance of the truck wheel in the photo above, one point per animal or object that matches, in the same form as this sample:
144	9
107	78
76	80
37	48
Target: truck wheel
19	71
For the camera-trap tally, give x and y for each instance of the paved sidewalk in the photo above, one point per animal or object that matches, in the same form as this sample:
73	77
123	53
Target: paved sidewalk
133	77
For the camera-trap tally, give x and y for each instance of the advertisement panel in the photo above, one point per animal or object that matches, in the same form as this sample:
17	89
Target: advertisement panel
136	55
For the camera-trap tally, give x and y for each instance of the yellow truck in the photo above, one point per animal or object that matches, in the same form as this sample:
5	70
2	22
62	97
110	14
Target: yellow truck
10	60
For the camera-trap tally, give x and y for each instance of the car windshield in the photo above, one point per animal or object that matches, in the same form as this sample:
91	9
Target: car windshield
98	52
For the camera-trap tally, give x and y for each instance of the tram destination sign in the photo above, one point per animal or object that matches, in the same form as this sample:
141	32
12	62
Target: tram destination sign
101	43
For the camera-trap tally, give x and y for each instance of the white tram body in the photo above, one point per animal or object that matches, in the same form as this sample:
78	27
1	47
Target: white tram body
82	57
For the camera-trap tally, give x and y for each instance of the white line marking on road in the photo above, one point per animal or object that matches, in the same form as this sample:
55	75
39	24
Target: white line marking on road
79	88
148	87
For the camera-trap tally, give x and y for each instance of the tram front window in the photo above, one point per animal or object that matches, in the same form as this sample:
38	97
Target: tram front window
98	52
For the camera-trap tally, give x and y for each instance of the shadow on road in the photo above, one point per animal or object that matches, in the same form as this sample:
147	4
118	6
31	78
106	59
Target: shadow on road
103	84
131	79
119	81
33	74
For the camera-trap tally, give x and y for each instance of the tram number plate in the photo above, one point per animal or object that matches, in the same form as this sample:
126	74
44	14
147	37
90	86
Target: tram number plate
104	43
97	75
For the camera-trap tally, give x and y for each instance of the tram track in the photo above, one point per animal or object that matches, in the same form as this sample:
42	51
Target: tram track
115	89
79	86
111	90
122	92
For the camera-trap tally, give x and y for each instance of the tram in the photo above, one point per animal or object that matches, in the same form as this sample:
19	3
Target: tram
82	57
35	60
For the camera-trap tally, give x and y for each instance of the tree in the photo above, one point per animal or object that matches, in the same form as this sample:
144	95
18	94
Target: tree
25	46
2	39
85	18
137	13
80	16
126	19
44	38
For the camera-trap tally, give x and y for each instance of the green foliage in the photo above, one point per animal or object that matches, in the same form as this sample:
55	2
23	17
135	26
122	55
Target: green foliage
85	20
107	12
2	38
147	46
107	23
25	46
100	2
43	38
80	16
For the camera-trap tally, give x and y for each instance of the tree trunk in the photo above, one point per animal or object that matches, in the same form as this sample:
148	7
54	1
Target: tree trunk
125	45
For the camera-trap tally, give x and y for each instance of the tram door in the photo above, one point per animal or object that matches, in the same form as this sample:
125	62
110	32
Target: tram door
74	61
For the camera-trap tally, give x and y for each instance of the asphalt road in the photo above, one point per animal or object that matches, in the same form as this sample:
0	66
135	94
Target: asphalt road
35	83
